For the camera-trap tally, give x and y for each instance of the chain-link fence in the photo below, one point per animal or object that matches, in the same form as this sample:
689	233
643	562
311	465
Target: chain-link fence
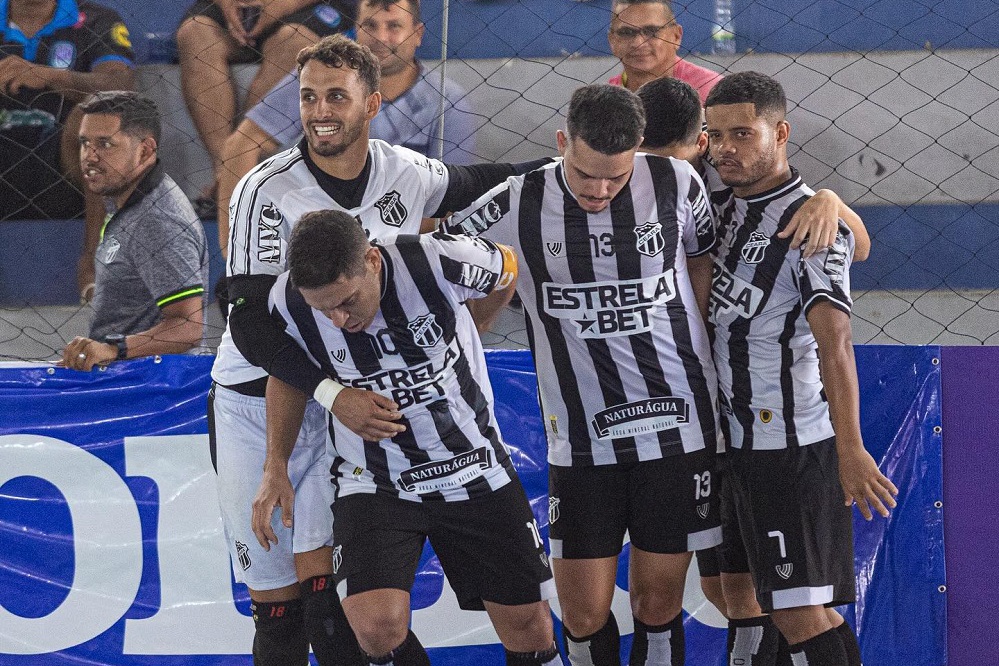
894	105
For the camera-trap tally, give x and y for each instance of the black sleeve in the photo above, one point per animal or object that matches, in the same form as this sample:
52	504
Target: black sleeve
261	339
468	183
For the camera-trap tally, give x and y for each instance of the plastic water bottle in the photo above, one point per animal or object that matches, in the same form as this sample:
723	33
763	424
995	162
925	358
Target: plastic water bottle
723	32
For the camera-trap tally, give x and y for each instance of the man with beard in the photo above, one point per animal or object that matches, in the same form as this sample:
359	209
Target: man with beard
152	263
389	190
788	385
409	115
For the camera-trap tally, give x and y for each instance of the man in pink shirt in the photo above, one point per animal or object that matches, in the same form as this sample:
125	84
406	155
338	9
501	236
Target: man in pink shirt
644	35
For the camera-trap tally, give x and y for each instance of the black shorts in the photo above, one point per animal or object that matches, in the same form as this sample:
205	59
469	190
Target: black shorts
489	547
798	535
668	505
322	18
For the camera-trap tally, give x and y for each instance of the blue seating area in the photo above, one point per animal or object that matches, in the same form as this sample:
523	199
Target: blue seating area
549	28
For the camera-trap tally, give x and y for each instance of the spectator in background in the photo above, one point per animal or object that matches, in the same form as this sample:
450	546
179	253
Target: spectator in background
410	110
644	35
216	33
52	55
152	263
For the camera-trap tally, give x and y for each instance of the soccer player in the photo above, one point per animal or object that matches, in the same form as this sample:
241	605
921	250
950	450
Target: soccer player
788	384
674	129
390	319
615	264
388	190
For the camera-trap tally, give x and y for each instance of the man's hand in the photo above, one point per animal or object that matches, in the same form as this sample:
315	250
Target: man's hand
233	22
864	484
84	354
367	414
275	490
813	226
17	73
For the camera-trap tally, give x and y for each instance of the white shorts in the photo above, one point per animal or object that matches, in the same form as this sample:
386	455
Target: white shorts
240	437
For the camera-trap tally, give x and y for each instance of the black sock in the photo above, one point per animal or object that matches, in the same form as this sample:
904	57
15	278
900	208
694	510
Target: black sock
660	645
826	649
602	648
783	651
850	644
279	639
409	653
549	657
326	626
752	642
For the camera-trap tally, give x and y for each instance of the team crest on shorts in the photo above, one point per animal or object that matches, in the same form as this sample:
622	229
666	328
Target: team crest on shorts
392	210
785	570
426	331
755	247
243	553
703	509
337	558
650	240
553	512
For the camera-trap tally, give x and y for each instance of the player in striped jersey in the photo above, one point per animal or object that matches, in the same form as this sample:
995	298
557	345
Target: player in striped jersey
390	318
388	190
615	264
788	383
674	129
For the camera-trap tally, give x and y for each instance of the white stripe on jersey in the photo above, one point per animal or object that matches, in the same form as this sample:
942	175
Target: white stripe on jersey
768	366
623	358
422	350
403	188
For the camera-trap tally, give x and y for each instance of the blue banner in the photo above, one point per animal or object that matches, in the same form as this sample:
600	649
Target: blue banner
111	547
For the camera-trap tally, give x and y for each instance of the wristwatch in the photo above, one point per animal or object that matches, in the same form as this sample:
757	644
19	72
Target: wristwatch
118	340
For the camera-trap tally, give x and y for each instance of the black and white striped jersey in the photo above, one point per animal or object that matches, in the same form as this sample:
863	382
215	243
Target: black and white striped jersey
403	187
422	350
767	358
622	355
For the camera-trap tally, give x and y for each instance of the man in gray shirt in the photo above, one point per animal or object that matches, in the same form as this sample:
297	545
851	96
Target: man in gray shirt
152	261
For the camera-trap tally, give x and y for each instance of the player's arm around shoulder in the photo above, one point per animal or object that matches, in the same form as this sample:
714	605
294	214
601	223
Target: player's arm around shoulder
814	225
477	272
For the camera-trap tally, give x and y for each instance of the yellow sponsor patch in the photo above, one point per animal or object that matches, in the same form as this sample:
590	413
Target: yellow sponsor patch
119	33
766	416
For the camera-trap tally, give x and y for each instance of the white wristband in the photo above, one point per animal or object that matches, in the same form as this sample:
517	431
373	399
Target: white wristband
326	393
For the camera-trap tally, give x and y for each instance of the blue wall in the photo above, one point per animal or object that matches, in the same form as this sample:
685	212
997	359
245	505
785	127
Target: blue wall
538	28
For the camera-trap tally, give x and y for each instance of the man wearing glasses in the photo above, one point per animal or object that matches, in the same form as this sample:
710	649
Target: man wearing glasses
644	35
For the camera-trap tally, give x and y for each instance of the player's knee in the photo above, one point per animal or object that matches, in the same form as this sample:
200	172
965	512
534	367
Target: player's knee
380	630
740	596
800	624
584	621
656	607
530	626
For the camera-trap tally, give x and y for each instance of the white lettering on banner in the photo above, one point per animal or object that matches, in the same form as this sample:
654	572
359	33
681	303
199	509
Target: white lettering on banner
196	613
107	538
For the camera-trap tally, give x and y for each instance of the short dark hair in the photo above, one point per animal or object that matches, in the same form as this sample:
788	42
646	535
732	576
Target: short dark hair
339	51
325	246
138	115
667	3
608	118
764	92
414	6
672	112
